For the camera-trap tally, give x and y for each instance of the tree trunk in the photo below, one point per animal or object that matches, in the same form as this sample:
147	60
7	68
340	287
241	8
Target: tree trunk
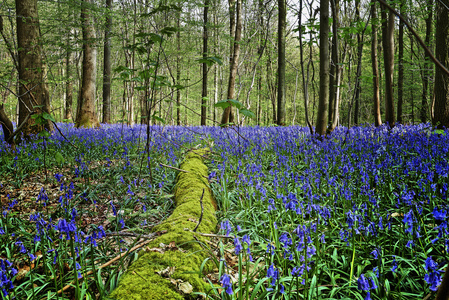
388	48
424	111
178	69
323	105
234	5
305	83
334	62
33	92
107	65
441	105
68	84
204	67
7	127
375	67
86	116
401	65
281	62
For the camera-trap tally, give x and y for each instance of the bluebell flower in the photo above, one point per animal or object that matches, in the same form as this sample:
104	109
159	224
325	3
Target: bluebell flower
114	210
237	245
363	283
225	225
394	264
225	281
439	215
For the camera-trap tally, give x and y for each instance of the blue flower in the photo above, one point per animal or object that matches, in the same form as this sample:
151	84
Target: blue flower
238	245
439	215
225	281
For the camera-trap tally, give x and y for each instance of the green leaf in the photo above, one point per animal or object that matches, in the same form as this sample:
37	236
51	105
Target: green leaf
44	134
156	38
47	116
247	113
235	103
59	158
154	117
169	30
223	104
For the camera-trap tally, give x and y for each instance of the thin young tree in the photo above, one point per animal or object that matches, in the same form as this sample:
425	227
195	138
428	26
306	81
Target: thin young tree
427	70
107	64
441	106
282	23
323	104
204	65
235	8
388	49
374	65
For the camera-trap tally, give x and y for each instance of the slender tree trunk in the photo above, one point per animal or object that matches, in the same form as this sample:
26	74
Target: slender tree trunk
204	67
68	83
400	66
86	116
334	62
282	22
388	48
107	65
33	91
234	5
359	66
427	73
375	67
441	105
178	70
323	105
305	84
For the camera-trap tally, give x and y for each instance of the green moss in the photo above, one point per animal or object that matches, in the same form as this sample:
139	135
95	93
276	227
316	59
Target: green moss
87	121
141	280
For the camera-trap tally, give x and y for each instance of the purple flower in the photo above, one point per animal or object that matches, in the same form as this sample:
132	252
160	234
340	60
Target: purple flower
238	245
439	215
225	281
114	210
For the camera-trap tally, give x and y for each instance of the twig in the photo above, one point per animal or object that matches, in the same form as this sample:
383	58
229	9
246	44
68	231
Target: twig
420	41
174	168
21	125
428	296
144	236
202	211
110	262
212	235
54	123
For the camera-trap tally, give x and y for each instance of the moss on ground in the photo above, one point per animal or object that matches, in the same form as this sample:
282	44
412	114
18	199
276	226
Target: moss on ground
141	281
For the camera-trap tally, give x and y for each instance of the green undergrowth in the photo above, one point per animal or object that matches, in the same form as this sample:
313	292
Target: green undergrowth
186	253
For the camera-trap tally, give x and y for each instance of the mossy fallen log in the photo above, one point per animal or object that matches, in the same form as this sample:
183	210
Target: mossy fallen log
173	271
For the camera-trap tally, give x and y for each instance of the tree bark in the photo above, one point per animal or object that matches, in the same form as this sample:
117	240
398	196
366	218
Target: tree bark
427	72
282	21
400	65
7	126
323	104
388	48
374	65
234	6
334	62
33	91
441	105
86	116
68	84
107	65
178	67
204	67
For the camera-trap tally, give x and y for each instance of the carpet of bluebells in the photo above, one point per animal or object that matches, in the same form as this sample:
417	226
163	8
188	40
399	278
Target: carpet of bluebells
361	214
